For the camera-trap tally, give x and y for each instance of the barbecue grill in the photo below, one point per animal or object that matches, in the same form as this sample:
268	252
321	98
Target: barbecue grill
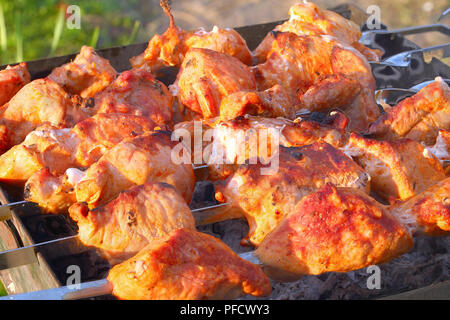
404	65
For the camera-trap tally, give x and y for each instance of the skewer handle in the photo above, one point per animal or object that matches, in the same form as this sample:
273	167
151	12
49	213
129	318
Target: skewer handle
86	290
91	289
5	210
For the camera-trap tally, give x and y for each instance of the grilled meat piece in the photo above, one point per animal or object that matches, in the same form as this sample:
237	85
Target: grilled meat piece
206	77
86	75
40	101
233	141
308	19
427	212
398	169
124	226
333	230
330	92
264	198
170	48
187	265
134	161
273	102
12	79
419	117
59	149
321	73
136	92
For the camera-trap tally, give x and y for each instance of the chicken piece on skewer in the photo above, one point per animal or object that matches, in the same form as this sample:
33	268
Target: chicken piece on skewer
206	77
264	199
233	141
59	149
308	19
398	169
427	212
170	48
214	142
41	101
187	265
135	92
419	117
441	149
134	161
124	226
322	74
333	230
86	75
273	102
12	79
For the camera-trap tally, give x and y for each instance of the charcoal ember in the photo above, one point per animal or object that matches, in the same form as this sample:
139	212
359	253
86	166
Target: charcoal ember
49	227
203	195
91	265
231	232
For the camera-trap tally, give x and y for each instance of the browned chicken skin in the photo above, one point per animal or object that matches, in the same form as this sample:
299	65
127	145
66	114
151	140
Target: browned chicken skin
207	76
398	169
265	199
134	161
311	215
332	91
136	92
232	140
427	212
419	117
187	265
322	74
308	19
134	219
12	79
86	75
273	102
59	149
170	48
333	230
40	101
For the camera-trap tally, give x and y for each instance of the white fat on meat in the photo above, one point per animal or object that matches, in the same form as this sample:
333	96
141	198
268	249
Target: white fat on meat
74	176
441	148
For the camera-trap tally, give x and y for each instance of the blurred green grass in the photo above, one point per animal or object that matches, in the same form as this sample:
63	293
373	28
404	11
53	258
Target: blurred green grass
36	29
2	290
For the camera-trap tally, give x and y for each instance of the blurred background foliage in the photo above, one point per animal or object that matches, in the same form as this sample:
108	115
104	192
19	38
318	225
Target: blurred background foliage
36	29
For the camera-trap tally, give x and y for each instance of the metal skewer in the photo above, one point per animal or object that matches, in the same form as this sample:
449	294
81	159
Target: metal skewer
403	59
5	209
383	95
27	255
89	289
445	13
367	36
